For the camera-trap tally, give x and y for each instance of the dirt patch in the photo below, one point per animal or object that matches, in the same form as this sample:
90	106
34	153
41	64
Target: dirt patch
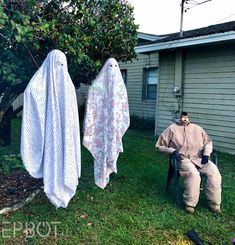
16	187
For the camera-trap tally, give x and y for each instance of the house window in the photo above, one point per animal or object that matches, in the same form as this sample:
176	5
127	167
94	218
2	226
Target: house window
150	83
124	75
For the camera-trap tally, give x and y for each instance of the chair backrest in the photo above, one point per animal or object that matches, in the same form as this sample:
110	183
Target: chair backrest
214	158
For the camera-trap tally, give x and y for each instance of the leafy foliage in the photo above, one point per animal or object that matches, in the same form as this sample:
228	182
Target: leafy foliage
87	31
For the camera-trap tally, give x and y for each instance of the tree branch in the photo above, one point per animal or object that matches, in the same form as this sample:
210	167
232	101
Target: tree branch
32	58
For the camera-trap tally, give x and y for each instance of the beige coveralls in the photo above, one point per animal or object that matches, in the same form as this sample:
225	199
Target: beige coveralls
191	141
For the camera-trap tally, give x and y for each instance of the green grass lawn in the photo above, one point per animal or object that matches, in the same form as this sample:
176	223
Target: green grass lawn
133	209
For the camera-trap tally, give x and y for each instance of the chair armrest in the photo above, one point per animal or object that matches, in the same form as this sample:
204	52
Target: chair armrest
174	164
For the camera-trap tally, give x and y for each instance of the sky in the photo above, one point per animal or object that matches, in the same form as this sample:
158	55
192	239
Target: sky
163	16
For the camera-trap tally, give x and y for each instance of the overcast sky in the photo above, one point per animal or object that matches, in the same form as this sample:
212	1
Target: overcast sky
163	16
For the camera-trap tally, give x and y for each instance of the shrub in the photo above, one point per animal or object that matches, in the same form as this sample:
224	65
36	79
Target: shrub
142	123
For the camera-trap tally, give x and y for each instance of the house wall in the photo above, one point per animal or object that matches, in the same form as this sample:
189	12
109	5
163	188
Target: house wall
208	93
166	100
134	85
138	106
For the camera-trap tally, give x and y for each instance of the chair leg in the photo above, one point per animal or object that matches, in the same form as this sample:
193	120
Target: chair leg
177	196
173	171
169	177
176	174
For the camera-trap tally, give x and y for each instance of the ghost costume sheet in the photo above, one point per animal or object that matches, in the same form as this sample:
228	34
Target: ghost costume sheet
106	121
50	137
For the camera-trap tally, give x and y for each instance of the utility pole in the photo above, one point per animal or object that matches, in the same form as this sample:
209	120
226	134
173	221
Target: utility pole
181	18
193	4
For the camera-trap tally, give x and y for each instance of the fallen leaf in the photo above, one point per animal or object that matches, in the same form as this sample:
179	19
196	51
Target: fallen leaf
84	216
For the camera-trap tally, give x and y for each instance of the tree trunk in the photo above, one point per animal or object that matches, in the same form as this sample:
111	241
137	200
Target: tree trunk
5	128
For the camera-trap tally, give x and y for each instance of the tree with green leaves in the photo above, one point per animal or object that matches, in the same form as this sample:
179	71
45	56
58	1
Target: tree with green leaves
87	31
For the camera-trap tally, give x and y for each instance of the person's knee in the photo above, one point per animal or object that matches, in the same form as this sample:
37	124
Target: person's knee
195	175
214	175
218	178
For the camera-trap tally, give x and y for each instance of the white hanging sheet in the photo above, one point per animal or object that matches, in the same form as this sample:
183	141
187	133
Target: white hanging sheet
50	136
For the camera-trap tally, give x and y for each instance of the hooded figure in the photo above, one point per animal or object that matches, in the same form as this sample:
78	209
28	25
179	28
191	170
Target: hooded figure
106	120
50	137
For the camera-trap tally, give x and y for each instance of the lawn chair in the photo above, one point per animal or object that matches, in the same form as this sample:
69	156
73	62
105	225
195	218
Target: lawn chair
173	172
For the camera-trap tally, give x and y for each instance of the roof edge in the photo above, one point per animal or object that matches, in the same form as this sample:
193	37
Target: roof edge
213	38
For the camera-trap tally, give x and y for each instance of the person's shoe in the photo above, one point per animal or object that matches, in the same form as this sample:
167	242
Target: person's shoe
189	209
215	208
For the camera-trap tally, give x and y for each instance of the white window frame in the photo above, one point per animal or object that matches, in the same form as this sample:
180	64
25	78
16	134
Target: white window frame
150	83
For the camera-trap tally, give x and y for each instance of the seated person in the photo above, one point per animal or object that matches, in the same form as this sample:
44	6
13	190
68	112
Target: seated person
192	147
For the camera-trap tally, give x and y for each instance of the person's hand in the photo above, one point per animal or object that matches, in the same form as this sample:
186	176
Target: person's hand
204	159
176	155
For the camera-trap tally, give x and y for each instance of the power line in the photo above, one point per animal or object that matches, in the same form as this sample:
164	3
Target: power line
195	4
224	18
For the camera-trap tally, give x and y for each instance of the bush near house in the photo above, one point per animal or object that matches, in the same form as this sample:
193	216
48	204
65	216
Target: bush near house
141	123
